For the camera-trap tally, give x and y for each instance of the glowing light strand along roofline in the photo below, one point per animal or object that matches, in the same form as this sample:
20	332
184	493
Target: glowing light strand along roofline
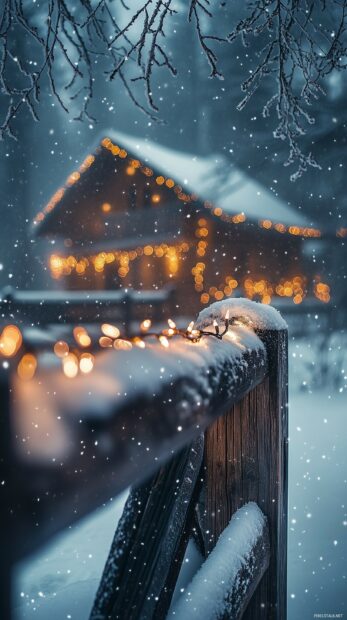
237	218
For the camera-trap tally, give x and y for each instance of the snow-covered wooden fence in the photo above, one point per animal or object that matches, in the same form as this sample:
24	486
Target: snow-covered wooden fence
198	430
92	306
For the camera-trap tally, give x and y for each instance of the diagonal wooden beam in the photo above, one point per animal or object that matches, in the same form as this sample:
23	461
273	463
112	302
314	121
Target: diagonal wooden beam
148	548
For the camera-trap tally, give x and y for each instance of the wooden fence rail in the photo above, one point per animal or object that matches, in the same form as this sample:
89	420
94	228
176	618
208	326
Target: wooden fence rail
198	444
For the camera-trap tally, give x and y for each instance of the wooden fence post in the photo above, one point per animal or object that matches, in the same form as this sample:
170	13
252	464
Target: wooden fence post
246	460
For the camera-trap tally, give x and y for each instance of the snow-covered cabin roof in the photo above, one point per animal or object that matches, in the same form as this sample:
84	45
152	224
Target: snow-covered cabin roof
222	188
214	179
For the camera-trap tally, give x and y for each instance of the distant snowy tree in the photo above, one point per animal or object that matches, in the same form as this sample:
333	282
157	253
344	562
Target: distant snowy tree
297	44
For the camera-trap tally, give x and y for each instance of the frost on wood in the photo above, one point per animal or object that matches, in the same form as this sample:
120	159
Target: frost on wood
225	582
256	315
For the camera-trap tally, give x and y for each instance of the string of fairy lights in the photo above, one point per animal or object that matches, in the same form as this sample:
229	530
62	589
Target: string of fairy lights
261	288
67	265
77	357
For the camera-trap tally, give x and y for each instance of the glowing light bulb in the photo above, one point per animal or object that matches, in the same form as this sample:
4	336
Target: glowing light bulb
85	340
86	363
139	343
124	345
61	348
145	325
27	367
190	326
110	330
171	323
164	341
105	341
81	336
10	340
70	365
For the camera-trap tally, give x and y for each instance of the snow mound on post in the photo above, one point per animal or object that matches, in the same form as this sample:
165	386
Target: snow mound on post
206	596
259	315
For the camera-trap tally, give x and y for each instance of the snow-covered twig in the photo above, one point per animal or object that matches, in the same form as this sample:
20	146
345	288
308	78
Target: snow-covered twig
297	44
303	42
80	37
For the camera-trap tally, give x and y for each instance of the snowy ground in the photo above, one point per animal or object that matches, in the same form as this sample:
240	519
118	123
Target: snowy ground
60	582
317	505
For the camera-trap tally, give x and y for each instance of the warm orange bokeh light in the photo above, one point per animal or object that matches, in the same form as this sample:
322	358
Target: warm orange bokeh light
82	337
10	340
70	365
86	363
145	325
27	367
164	341
110	330
61	348
124	345
105	342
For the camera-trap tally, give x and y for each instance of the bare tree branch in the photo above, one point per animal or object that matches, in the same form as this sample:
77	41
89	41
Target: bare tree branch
297	44
74	35
305	40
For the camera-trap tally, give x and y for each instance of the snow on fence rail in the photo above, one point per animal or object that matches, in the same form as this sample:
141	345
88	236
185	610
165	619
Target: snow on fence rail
241	555
198	429
44	307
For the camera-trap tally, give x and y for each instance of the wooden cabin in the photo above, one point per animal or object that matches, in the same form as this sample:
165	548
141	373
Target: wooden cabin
136	215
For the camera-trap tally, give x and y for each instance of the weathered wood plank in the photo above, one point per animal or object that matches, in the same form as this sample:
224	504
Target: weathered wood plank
150	541
246	460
